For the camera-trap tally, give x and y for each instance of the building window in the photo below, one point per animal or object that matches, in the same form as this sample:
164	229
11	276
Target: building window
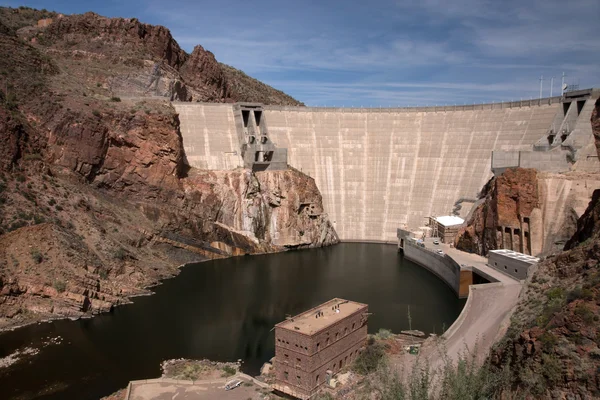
318	345
516	271
495	263
345	331
298	360
285	375
327	342
317	379
286	356
336	336
298	378
353	325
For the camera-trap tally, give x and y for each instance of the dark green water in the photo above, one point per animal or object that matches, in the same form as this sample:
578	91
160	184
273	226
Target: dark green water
222	310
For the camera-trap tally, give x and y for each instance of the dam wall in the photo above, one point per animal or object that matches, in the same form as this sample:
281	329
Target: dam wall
442	266
378	169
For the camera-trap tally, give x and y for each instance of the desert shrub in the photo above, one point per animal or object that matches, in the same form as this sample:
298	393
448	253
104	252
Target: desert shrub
551	368
555	293
103	274
579	293
96	113
369	359
20	178
120	253
383	334
36	255
585	312
60	286
51	202
115	99
228	371
32	157
548	340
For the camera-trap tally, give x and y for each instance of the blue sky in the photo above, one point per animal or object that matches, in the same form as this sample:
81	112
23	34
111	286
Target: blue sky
383	52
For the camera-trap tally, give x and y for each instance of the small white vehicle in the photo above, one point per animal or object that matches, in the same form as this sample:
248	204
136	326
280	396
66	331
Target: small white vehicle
233	384
440	252
436	242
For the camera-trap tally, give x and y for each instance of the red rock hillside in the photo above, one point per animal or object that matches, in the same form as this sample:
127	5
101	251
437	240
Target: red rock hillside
96	200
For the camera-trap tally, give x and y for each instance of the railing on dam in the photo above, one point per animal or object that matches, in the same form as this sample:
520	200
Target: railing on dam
442	108
443	266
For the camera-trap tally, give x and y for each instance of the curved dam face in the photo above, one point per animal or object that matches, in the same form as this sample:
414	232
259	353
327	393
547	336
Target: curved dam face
377	169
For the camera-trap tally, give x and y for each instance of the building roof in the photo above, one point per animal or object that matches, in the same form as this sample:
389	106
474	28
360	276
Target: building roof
450	220
328	314
516	256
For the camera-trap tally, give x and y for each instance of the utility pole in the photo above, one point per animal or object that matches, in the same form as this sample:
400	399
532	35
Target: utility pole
551	85
541	85
562	84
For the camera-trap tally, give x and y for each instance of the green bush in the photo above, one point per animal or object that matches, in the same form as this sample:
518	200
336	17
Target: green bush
383	334
579	293
585	312
555	293
369	359
96	113
32	157
60	286
36	255
115	99
120	253
228	371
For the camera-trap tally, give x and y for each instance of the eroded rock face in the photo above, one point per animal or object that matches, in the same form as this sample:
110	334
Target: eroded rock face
596	125
528	211
204	73
126	34
509	199
552	344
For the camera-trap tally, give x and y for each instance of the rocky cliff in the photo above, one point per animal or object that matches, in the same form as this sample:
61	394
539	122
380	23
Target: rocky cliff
97	201
125	57
553	343
552	347
528	211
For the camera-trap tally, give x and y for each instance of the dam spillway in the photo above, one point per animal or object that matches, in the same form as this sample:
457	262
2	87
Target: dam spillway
380	169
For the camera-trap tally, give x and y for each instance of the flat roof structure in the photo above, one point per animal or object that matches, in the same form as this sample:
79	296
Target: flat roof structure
313	346
450	220
516	256
322	316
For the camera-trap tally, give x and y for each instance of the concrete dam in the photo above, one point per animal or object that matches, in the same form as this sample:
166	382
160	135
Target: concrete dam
381	169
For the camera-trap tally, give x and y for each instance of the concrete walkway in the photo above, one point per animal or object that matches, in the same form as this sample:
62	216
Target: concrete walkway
483	320
471	261
169	389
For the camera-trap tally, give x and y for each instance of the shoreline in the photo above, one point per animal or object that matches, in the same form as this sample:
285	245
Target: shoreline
129	301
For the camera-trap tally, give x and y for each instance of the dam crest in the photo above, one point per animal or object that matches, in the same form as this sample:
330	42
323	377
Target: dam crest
381	169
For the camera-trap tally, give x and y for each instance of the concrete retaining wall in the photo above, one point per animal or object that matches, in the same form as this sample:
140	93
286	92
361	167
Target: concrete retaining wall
442	266
378	169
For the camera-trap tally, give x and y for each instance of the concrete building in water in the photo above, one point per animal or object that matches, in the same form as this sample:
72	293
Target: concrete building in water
314	345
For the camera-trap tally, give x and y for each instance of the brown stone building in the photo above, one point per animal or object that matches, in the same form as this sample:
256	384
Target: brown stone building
316	344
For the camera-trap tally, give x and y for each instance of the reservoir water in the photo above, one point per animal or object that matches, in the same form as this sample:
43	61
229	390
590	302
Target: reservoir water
222	310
